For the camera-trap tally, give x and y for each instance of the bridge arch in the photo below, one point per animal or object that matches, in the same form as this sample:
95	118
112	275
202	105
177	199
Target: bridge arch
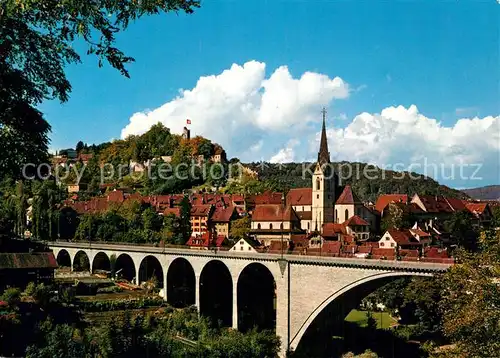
125	267
181	283
216	293
256	297
81	261
342	301
101	261
151	267
63	258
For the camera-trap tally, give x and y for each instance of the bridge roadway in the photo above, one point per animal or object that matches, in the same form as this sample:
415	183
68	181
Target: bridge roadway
304	286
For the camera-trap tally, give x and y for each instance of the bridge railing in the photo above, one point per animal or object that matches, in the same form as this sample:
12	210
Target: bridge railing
432	265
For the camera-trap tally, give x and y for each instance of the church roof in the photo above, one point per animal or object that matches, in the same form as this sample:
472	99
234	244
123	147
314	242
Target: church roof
274	212
323	154
356	221
299	196
348	197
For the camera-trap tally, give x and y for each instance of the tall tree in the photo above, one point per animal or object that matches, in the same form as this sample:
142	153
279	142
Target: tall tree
471	301
36	44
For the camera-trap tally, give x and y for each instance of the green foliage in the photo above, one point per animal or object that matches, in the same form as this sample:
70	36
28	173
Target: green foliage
371	323
60	341
120	304
367	354
240	228
459	225
471	297
150	336
132	223
37	44
12	296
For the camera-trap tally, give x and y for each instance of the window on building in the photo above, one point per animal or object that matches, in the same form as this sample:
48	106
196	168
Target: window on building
318	184
249	248
241	248
346	214
386	239
242	242
392	244
317	196
308	226
381	244
281	226
336	218
270	226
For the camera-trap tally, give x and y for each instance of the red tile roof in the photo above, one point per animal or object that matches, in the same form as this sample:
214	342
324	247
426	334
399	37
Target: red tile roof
27	260
175	211
222	214
409	253
274	212
116	196
356	221
333	229
364	249
205	240
419	232
456	204
348	197
436	252
402	237
299	196
201	210
478	208
331	247
267	197
435	204
385	199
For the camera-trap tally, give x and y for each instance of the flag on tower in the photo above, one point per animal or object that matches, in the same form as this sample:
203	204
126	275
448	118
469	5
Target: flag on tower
188	121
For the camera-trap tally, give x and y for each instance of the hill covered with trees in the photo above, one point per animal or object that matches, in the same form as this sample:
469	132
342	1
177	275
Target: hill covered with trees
368	181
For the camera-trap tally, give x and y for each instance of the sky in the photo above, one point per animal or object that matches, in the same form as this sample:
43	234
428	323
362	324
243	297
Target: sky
407	84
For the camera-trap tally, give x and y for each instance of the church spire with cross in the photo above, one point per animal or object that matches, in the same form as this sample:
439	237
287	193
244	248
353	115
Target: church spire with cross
323	154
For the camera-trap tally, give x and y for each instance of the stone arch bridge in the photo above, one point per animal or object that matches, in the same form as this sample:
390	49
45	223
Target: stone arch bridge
287	293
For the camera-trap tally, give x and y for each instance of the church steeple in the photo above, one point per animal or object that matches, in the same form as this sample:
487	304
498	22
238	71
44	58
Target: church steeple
323	154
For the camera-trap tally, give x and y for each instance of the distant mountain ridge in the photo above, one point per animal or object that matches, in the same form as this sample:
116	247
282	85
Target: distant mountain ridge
490	192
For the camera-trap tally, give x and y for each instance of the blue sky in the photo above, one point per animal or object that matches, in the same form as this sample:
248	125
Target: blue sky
441	56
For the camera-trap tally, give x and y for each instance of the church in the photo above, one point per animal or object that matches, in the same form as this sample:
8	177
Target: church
317	209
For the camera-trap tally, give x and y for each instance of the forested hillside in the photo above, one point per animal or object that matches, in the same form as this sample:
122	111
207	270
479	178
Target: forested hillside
368	181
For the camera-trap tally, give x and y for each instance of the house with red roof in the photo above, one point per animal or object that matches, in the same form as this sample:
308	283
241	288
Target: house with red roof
358	228
423	237
271	222
200	215
348	205
205	241
384	200
481	211
399	239
300	199
221	218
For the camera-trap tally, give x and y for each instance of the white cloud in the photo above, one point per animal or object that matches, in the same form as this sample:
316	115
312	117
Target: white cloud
257	117
404	135
240	106
287	154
